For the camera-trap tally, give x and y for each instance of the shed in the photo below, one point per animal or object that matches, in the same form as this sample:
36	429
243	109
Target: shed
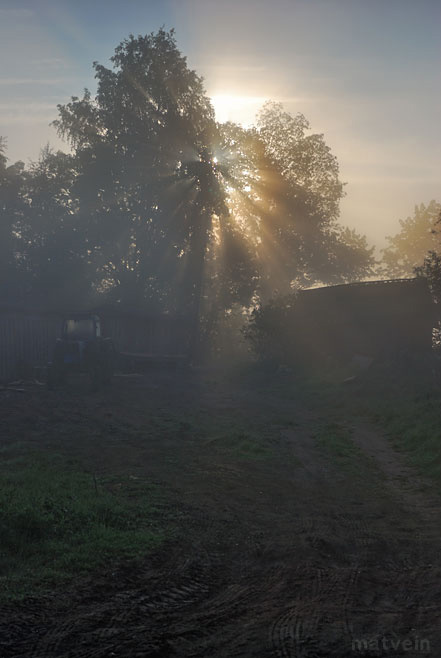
375	318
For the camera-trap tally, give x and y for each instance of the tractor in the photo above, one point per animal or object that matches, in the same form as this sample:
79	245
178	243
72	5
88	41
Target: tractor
81	348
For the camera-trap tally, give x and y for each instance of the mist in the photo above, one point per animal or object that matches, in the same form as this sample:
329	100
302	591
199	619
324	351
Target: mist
220	367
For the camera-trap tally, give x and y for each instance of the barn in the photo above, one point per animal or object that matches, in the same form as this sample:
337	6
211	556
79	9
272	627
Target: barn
374	318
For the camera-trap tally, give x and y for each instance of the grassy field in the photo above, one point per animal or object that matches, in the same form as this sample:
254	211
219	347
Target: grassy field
75	496
403	403
189	515
58	521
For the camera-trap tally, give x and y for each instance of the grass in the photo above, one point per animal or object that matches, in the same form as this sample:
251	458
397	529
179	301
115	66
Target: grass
414	426
406	405
400	398
335	439
57	522
227	432
241	444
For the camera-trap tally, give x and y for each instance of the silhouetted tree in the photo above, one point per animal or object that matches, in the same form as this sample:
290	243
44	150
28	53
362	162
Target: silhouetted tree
54	242
158	206
419	235
12	210
304	160
148	185
132	142
285	194
431	270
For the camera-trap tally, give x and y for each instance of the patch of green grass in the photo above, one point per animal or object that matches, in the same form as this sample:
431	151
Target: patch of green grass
57	521
335	439
414	426
241	444
407	406
404	404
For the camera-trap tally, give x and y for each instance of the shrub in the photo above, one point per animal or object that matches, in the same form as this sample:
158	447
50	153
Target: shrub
271	331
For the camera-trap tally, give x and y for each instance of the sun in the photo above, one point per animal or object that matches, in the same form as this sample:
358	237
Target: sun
240	109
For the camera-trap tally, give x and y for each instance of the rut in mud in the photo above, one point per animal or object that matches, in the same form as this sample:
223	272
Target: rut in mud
294	551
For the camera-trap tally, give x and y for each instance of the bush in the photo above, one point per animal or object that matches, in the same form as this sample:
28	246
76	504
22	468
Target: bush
276	333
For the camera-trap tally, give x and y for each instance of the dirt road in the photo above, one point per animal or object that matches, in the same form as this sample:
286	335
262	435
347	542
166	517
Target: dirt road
299	533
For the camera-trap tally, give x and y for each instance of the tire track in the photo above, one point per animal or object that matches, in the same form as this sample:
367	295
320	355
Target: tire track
296	632
183	583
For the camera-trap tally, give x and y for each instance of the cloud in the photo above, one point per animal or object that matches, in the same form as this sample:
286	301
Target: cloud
25	113
31	81
52	63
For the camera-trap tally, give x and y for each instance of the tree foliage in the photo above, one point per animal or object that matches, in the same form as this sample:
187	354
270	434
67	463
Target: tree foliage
12	211
158	206
284	194
431	270
303	160
134	143
419	235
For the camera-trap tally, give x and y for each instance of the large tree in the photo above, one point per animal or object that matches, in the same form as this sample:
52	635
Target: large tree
132	142
158	206
284	194
149	185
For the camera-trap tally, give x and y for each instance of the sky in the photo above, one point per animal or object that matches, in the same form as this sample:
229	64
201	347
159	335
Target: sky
365	73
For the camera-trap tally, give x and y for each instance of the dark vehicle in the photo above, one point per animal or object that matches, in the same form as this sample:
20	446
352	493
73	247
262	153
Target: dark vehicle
81	348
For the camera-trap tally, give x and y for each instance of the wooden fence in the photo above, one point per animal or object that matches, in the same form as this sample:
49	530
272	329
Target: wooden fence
155	335
27	338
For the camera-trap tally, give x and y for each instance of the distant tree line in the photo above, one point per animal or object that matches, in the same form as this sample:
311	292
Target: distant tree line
158	206
416	249
419	235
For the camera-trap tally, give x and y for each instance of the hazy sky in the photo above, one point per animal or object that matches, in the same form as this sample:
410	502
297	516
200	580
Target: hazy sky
366	73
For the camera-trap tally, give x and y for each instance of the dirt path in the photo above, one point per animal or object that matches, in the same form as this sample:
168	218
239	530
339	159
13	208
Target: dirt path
286	551
412	490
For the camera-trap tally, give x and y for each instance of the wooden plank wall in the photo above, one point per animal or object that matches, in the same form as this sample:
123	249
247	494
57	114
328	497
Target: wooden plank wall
26	339
160	335
29	338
